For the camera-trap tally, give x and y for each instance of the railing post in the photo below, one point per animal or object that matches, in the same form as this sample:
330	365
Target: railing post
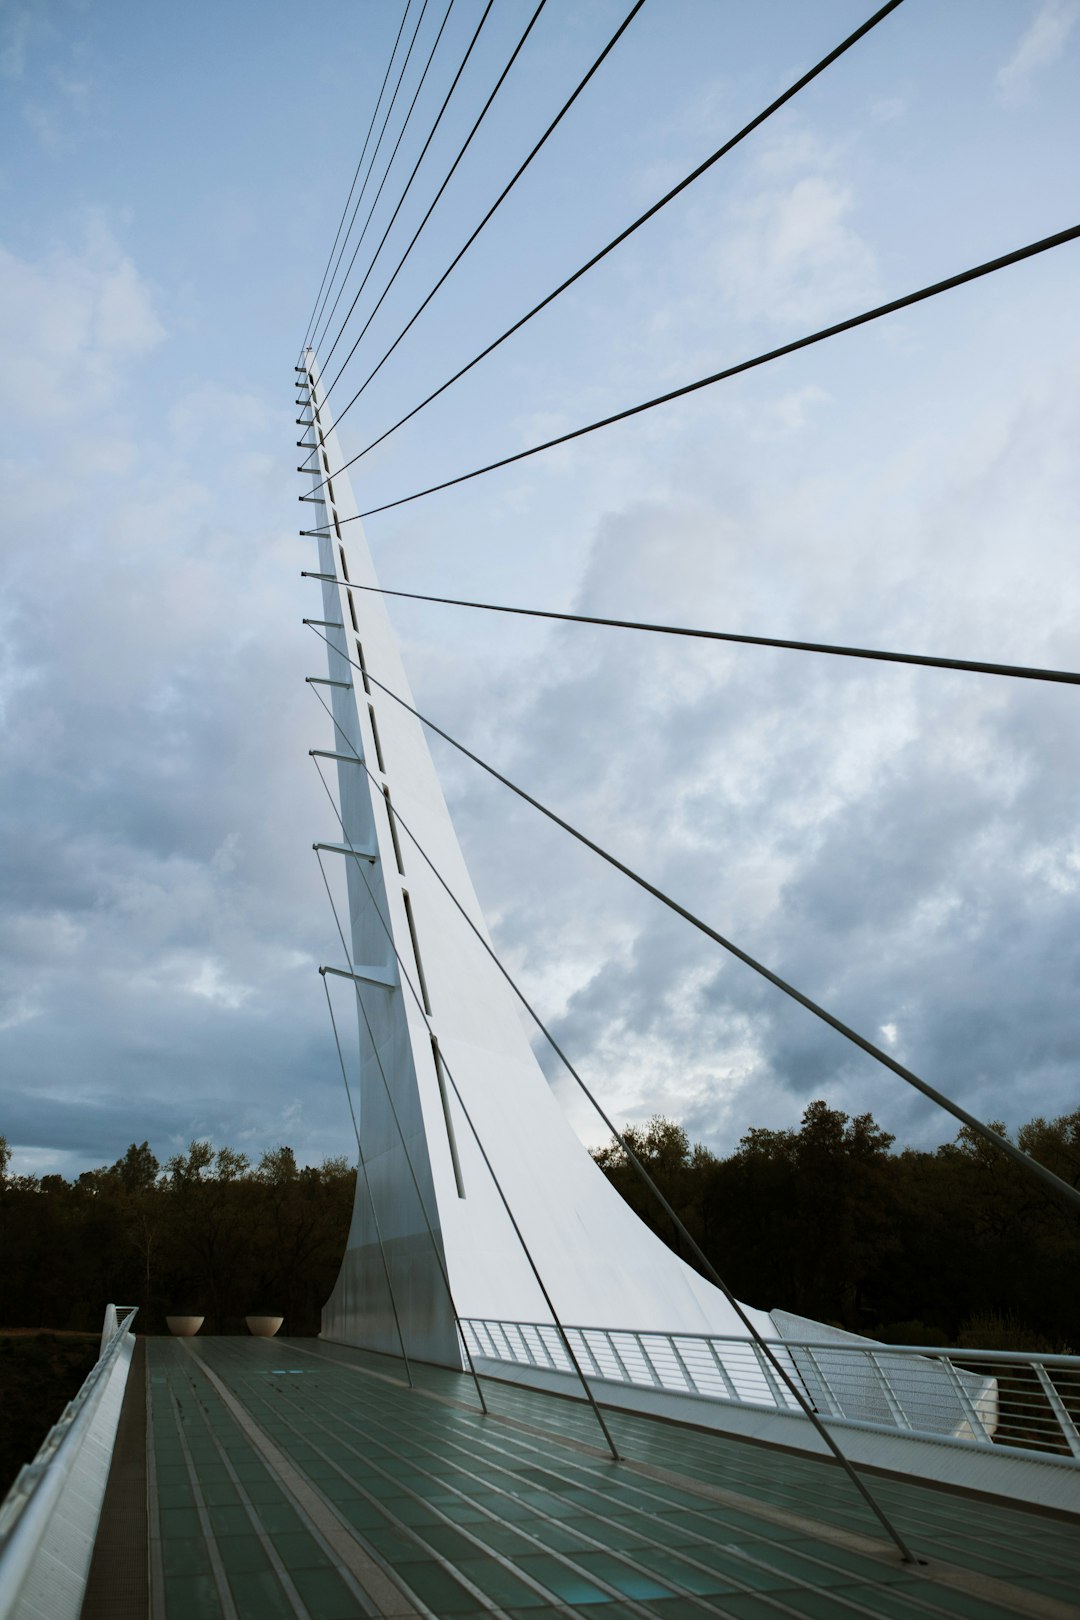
546	1349
899	1416
658	1382
1059	1409
834	1400
597	1370
770	1377
967	1405
728	1381
626	1378
684	1366
491	1339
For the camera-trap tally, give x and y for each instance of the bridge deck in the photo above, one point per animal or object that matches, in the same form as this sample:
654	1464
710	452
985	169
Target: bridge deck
299	1479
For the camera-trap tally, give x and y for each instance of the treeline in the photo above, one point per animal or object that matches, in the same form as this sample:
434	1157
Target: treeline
208	1234
952	1246
949	1246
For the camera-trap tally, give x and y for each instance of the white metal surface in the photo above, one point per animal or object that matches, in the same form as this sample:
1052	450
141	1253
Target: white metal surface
49	1518
598	1260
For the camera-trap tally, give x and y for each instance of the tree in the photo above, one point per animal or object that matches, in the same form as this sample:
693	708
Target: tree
678	1169
206	1232
138	1170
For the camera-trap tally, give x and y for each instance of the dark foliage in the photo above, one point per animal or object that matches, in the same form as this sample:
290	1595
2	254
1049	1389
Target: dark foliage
952	1246
948	1246
39	1374
209	1235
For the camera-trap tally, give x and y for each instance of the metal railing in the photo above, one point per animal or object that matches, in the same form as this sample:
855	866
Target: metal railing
987	1398
54	1497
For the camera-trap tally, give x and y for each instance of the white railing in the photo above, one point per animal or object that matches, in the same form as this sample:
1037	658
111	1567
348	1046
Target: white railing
49	1517
988	1398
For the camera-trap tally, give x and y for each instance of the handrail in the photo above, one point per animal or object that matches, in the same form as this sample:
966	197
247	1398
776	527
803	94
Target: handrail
1047	1359
26	1510
1019	1400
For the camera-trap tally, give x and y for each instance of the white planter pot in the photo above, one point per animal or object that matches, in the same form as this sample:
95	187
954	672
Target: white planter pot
263	1327
184	1327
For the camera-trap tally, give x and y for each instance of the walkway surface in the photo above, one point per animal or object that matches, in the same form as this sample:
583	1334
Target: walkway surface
307	1481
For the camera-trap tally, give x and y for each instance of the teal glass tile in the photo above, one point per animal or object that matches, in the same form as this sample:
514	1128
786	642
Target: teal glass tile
679	1572
745	1606
506	1508
445	1540
548	1505
560	1579
326	1595
407	1510
738	1571
299	1550
179	1521
622	1575
179	1496
219	1493
229	1521
509	1538
362	1514
246	1468
394	1545
242	1553
258	1595
192	1597
500	1584
185	1555
276	1517
437	1588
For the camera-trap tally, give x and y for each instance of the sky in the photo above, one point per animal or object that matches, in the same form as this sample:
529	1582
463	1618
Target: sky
899	843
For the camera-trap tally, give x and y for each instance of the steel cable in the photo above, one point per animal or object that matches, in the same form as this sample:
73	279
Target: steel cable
416	166
688	180
449	176
390	160
880	310
501	198
972	665
1032	1166
313	318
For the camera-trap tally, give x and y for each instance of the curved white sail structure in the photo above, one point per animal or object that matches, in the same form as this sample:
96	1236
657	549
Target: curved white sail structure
424	1189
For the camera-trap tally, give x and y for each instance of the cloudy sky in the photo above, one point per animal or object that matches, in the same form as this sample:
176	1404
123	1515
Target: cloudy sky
901	844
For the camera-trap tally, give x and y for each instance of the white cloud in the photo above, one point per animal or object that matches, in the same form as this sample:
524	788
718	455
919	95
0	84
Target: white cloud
1040	47
84	316
211	983
792	255
899	845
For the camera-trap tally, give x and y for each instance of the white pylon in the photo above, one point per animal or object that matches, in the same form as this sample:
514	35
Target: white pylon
600	1264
